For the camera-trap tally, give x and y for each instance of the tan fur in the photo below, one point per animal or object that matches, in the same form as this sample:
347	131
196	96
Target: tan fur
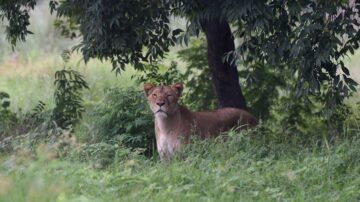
174	124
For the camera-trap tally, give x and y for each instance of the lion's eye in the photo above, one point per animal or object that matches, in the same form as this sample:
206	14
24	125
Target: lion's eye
169	95
154	95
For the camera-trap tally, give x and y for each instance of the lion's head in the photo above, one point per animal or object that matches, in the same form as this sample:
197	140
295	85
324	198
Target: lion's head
163	100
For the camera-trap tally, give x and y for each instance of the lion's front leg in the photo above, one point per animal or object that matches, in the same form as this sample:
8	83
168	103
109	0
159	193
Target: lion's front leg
164	155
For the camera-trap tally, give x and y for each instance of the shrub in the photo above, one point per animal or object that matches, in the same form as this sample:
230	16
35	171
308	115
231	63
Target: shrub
124	117
41	125
68	100
7	118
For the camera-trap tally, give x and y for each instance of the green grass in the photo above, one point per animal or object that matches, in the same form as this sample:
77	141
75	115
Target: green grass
241	169
30	81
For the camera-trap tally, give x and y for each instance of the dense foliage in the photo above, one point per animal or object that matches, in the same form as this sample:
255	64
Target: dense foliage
311	39
308	38
17	14
120	30
123	117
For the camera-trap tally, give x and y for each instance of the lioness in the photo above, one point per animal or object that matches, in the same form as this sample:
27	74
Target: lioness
174	124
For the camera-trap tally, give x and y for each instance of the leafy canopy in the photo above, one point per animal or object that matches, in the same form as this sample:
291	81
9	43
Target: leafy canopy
311	38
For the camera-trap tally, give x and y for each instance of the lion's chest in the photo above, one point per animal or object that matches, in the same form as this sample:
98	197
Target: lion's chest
166	144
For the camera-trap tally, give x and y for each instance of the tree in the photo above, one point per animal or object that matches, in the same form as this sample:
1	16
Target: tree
224	73
309	37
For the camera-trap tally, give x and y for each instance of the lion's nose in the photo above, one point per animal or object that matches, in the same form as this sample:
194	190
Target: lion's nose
160	103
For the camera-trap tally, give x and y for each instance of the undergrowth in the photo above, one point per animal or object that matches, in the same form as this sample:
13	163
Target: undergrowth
246	167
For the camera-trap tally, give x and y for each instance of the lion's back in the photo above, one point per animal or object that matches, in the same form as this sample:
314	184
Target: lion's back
212	122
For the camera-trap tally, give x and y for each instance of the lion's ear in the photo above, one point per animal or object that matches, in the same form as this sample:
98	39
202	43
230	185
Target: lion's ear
178	87
147	88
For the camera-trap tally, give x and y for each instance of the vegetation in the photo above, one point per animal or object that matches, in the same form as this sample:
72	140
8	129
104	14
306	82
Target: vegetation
242	168
290	157
67	96
124	117
309	39
86	134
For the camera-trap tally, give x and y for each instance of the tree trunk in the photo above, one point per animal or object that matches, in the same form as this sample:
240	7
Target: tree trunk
225	76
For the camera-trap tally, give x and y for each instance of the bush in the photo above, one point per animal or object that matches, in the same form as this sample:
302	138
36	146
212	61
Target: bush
40	125
124	117
8	119
68	99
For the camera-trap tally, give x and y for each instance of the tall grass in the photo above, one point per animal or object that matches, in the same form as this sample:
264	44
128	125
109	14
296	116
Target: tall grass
243	168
